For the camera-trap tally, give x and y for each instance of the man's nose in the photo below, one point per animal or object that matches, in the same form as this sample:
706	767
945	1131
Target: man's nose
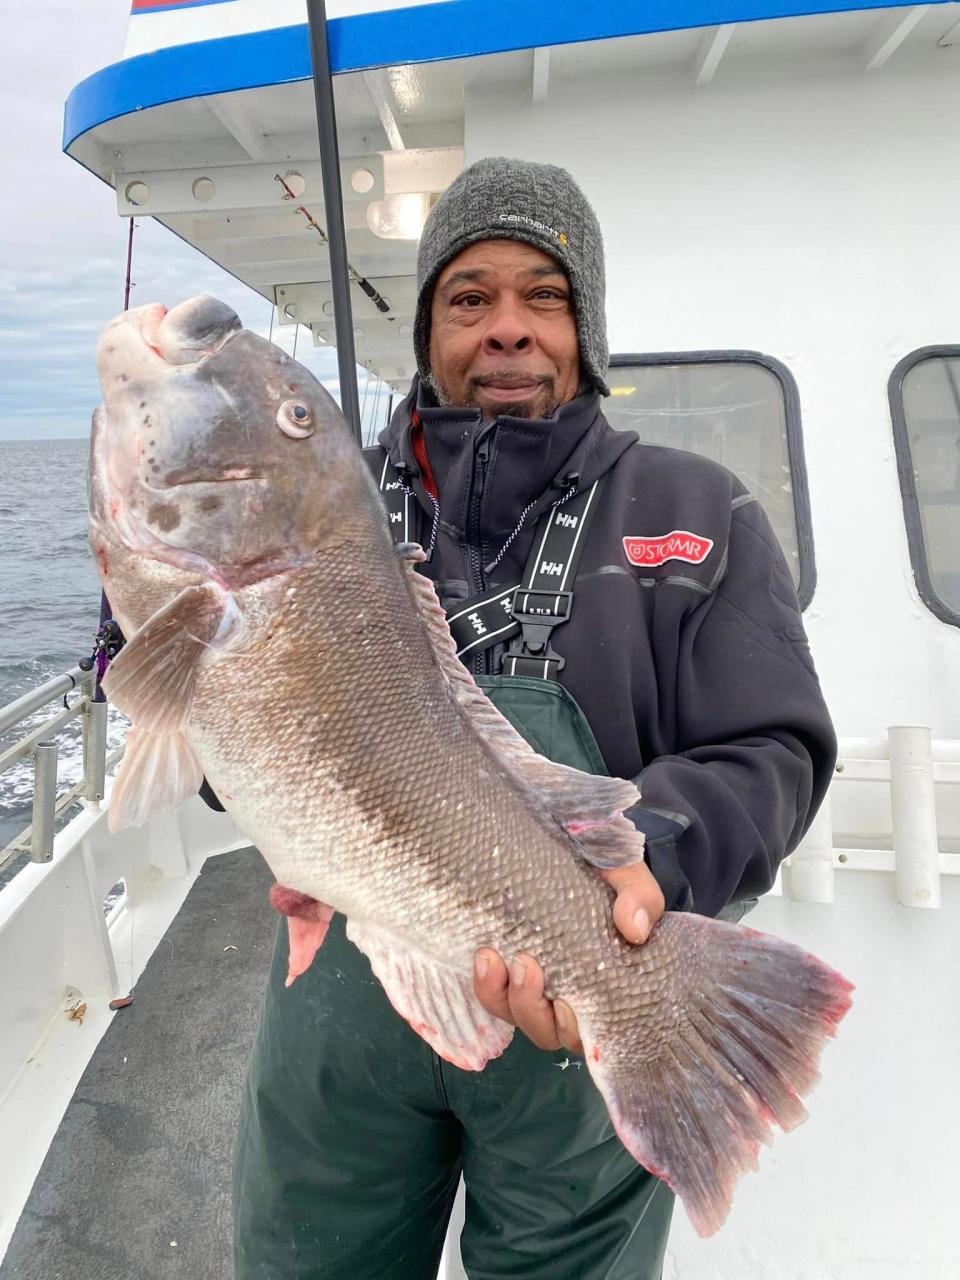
508	328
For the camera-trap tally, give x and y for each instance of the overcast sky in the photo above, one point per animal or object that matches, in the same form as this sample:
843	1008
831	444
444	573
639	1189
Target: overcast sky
62	245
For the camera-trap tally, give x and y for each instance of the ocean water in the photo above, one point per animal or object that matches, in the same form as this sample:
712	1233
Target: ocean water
49	597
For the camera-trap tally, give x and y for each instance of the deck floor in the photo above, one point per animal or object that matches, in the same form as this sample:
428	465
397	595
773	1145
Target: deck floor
136	1185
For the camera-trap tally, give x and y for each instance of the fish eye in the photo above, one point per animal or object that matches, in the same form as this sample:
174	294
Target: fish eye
295	419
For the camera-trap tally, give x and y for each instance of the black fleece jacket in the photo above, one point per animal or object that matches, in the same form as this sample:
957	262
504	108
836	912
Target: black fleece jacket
694	674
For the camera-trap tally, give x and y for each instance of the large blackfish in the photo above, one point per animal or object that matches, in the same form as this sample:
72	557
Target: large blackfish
278	642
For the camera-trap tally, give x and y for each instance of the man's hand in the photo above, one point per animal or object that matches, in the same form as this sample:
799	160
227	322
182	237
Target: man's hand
517	997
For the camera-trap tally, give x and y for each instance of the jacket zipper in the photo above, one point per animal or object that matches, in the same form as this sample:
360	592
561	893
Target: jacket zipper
478	663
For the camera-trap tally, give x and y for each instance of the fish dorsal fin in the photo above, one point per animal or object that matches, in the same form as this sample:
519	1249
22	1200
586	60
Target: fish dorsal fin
153	677
435	996
589	806
152	681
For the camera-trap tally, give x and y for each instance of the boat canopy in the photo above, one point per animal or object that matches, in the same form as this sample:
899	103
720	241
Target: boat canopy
207	122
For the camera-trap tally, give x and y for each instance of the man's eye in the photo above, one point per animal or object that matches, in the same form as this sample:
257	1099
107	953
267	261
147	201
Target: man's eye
468	300
552	295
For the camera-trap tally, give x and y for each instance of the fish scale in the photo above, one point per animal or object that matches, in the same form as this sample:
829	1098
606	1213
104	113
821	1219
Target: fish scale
281	647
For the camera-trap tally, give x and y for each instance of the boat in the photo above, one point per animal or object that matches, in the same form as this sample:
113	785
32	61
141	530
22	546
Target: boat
775	183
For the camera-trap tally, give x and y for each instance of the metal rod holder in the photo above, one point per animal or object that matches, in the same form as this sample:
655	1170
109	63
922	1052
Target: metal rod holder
915	846
44	801
811	863
94	750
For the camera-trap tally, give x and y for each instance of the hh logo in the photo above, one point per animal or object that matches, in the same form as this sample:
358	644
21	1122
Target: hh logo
551	567
569	521
678	545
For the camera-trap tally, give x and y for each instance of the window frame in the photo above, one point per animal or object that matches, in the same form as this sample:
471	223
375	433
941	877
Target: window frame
796	457
908	485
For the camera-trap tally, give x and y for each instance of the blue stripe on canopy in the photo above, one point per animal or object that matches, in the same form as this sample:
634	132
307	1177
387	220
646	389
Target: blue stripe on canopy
419	33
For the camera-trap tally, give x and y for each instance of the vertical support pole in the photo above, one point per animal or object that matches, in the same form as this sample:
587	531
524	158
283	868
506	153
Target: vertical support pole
94	750
811	863
44	801
93	966
333	211
915	848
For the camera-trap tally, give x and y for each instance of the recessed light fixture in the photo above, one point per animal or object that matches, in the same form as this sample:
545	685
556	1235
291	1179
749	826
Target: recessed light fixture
399	217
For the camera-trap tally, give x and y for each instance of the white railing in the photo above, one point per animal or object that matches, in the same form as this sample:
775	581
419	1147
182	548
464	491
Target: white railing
40	746
912	769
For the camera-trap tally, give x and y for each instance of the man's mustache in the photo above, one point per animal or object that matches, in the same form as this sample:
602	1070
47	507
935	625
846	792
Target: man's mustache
510	378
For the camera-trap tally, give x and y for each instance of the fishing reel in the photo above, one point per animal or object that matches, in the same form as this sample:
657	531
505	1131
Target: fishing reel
107	643
109	639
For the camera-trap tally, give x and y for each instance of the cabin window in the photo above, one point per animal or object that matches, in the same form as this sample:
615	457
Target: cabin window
738	408
925	407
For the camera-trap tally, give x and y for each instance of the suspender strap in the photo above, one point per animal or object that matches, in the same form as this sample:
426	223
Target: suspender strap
478	623
525	614
540	603
402	508
544	598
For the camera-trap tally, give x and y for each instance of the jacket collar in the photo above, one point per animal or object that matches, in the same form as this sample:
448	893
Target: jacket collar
529	460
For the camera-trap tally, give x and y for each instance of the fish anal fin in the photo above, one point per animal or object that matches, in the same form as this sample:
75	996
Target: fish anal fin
152	679
159	772
435	998
742	1053
588	805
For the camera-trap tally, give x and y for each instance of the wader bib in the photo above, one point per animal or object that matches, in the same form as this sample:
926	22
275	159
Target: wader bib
354	1133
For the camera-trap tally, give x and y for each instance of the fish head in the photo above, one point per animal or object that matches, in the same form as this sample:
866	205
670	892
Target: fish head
215	452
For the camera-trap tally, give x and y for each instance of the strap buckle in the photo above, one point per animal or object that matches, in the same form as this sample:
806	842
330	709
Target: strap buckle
538	612
545	608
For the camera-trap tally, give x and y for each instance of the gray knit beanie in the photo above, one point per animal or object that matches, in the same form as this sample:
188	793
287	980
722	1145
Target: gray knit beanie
501	199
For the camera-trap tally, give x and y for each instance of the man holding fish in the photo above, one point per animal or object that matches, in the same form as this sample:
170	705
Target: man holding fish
627	609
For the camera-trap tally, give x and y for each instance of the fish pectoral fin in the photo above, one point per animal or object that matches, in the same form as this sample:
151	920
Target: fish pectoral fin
152	679
159	771
436	998
590	806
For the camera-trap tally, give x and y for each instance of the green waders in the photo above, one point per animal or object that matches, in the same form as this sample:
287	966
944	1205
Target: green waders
353	1133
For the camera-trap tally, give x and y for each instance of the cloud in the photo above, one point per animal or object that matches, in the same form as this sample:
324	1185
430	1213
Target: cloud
63	266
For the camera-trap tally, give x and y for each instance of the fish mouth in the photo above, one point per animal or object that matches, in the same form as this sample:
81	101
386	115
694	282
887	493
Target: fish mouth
235	475
186	334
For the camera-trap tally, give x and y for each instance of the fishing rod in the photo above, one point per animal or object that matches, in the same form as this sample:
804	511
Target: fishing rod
109	638
333	208
375	296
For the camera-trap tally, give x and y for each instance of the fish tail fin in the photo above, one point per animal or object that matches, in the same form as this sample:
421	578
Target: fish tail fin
748	1027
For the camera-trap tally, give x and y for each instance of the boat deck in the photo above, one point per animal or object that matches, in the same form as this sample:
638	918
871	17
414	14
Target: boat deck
136	1185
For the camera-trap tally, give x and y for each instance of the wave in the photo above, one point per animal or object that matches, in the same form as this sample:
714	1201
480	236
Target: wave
49	601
